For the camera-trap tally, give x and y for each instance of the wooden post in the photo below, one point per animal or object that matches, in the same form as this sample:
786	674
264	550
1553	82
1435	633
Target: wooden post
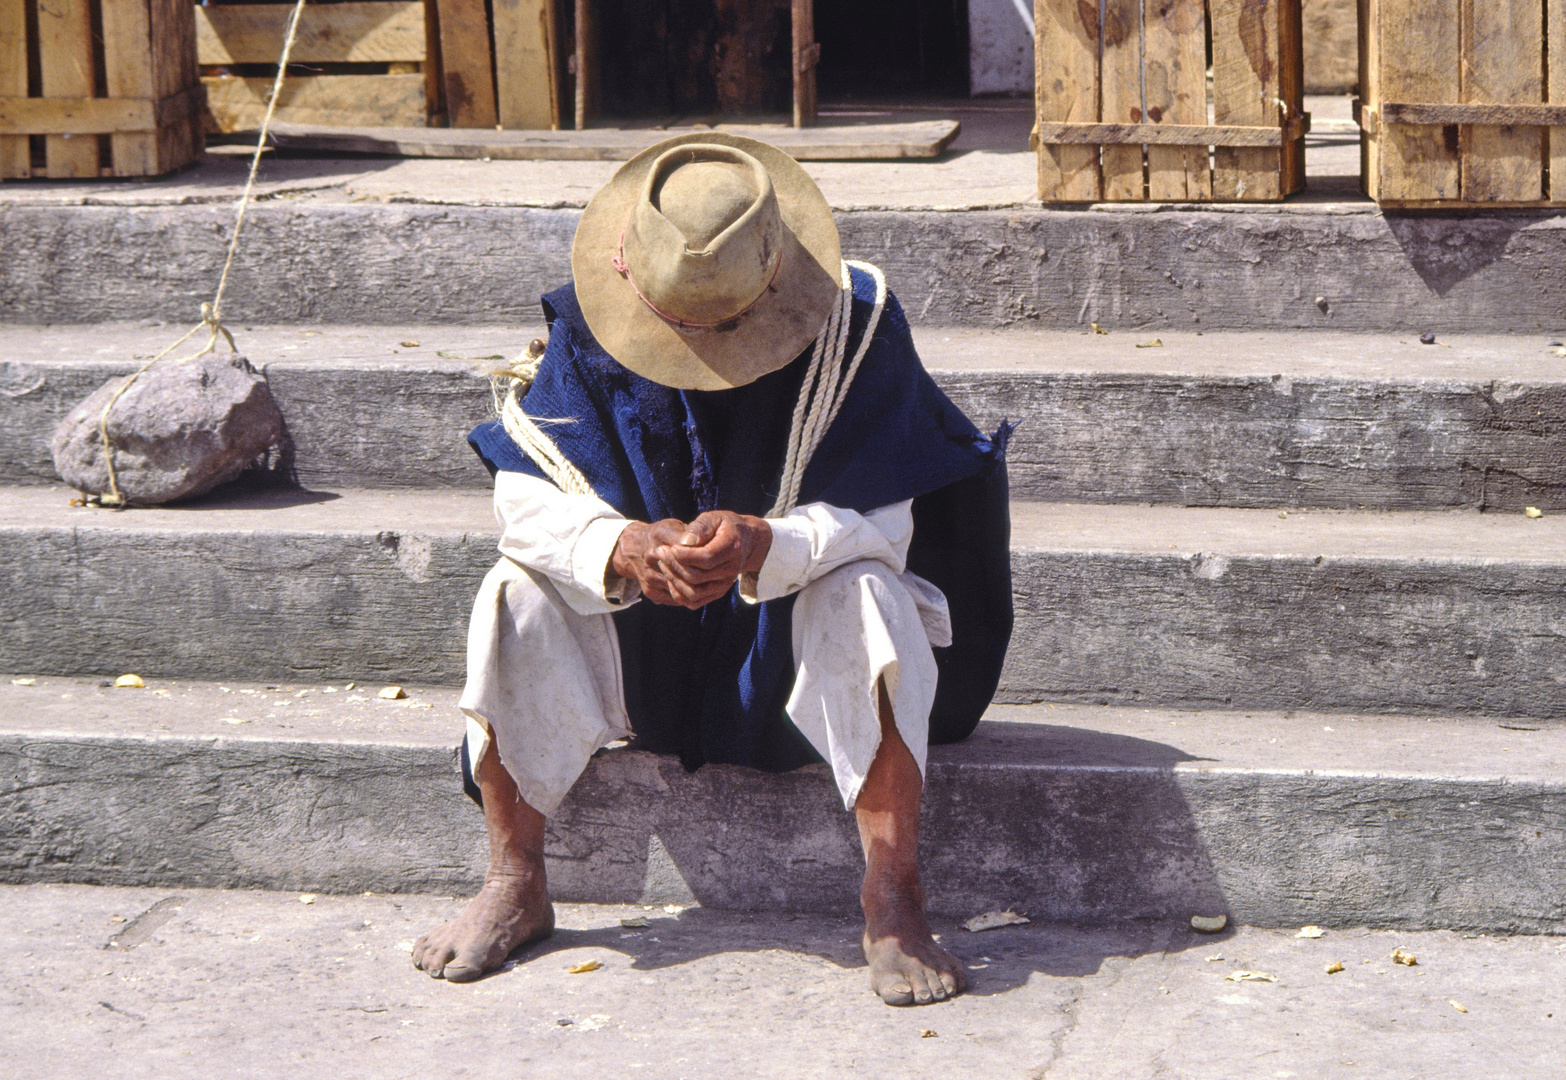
525	91
1418	62
464	58
1175	42
1556	15
586	64
1066	90
1246	89
15	152
1501	44
807	57
65	51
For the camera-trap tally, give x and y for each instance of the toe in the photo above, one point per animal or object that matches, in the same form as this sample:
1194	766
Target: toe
949	983
921	987
893	988
459	972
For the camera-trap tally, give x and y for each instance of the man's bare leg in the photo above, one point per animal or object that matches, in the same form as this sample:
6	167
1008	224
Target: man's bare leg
906	965
513	907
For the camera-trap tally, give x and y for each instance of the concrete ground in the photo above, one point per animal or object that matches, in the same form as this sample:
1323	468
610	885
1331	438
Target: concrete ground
116	982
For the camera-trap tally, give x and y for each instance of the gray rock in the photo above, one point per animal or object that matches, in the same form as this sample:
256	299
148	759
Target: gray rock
179	431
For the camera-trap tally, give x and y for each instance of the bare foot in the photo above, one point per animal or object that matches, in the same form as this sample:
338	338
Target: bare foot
907	967
511	910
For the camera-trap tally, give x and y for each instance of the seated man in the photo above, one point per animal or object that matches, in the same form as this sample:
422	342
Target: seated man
731	424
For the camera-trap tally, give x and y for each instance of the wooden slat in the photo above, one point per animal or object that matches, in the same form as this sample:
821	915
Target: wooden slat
128	70
1555	36
465	67
525	93
1120	96
1502	42
65	51
1175	39
806	58
1066	90
920	139
15	154
1291	89
1369	95
1419	112
1245	91
92	116
330	33
1165	134
370	100
1418	61
173	28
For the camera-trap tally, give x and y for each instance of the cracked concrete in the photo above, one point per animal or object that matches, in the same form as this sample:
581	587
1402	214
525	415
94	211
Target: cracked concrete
260	985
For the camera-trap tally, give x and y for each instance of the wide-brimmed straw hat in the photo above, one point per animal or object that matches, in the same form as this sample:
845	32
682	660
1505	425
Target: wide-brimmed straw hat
708	261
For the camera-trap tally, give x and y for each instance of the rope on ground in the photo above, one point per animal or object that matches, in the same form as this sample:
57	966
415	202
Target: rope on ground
211	313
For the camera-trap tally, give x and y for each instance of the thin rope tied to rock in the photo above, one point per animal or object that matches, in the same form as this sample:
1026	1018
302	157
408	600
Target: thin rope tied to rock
211	313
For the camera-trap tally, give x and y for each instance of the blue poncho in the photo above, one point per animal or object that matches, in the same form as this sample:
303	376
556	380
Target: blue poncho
711	685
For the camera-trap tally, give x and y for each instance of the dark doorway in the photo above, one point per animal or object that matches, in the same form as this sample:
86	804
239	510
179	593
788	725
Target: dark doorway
884	48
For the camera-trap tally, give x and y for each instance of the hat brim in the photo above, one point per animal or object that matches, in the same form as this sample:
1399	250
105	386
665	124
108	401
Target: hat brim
774	331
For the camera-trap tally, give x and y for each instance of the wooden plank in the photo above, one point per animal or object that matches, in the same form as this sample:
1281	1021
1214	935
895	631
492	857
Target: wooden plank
91	116
173	28
1369	96
1245	91
1066	89
1291	89
525	93
331	33
128	73
238	104
1120	96
65	52
465	63
919	139
1502	43
1418	112
1418	54
1555	38
15	154
1166	134
1174	34
807	57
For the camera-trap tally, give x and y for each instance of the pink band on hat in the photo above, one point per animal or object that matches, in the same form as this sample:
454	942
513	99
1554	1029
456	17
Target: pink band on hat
617	260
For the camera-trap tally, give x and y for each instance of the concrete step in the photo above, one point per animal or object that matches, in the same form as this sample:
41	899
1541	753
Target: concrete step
1072	812
1300	418
461	243
1451	612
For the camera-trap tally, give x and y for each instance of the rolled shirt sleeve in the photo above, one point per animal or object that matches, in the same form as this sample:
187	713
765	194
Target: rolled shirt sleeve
815	539
567	538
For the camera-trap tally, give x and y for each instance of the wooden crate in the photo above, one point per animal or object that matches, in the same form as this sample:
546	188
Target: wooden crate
97	89
383	46
1133	113
1463	102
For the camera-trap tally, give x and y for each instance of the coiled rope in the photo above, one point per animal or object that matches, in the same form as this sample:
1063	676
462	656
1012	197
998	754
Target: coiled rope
211	313
821	396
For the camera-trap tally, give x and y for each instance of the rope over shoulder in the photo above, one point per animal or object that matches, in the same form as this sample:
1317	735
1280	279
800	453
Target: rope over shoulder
821	396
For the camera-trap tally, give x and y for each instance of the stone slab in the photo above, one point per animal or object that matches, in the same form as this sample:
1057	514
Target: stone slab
1303	418
1076	812
1388	612
329	259
254	985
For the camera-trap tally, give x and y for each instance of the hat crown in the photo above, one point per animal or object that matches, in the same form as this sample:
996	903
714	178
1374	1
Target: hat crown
703	240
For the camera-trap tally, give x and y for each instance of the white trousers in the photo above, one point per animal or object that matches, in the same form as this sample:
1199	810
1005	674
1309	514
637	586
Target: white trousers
544	686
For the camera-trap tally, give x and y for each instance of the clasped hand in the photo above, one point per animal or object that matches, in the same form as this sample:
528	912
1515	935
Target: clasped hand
693	564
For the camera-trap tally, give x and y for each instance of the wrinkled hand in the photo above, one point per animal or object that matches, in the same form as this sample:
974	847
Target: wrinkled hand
632	558
702	565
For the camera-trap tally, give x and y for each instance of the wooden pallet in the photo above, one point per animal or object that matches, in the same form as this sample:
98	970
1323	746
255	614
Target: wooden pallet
388	34
1463	102
119	98
1131	113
